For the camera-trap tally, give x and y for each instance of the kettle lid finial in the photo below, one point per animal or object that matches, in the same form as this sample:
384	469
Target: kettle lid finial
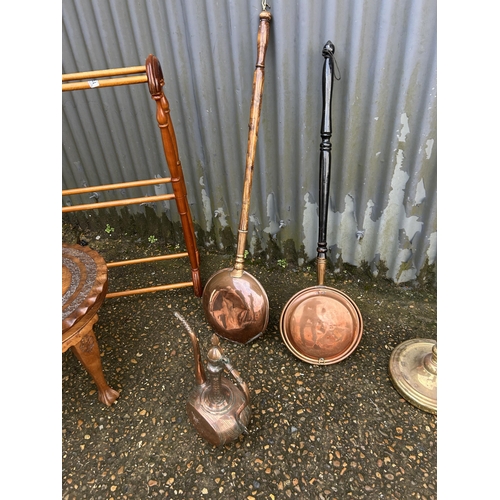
215	352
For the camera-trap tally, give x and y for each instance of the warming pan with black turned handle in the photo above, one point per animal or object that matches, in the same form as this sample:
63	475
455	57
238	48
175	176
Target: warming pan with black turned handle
322	325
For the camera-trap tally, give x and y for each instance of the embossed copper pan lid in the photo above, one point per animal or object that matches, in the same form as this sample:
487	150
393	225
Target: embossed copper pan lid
321	325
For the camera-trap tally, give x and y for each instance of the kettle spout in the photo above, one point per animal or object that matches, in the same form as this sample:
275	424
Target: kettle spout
199	371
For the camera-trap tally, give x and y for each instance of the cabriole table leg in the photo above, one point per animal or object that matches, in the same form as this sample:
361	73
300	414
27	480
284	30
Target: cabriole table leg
87	352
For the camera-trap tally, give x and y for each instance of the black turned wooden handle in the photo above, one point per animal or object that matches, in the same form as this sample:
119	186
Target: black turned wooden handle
325	148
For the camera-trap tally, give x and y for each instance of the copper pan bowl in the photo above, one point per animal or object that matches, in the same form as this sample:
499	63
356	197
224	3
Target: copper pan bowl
321	325
236	307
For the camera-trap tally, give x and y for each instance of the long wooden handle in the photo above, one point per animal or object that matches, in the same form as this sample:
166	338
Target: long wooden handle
253	131
324	158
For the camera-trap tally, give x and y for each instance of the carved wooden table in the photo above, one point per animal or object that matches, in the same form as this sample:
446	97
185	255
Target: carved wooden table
84	287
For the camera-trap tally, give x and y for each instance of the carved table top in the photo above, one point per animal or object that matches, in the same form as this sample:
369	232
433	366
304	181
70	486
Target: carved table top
84	284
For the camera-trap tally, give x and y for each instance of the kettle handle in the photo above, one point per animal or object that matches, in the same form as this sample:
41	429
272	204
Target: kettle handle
243	386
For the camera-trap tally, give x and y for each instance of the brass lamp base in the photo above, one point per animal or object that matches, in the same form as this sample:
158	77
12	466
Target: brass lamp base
413	372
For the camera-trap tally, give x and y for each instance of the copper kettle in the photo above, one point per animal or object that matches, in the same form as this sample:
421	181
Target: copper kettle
217	408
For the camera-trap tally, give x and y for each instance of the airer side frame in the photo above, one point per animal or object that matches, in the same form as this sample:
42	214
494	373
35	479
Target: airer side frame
151	74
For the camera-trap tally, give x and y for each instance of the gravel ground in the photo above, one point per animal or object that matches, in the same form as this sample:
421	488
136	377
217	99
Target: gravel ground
332	432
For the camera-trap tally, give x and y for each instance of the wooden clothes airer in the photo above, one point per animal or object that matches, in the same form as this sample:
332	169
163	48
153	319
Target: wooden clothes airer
151	74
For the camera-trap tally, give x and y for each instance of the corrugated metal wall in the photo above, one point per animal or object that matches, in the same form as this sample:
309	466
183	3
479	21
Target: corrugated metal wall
383	203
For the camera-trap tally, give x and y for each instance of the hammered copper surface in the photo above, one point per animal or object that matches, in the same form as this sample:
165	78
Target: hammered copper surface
321	325
237	308
223	423
217	409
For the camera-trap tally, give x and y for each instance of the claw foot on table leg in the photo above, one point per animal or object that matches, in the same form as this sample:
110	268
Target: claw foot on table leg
87	352
108	396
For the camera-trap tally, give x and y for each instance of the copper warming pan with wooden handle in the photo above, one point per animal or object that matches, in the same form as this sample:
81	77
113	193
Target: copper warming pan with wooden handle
322	325
235	303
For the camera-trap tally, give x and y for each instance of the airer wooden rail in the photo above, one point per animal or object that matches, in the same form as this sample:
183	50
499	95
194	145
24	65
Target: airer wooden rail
151	74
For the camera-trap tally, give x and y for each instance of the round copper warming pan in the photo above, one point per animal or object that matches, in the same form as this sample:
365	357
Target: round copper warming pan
321	325
234	302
